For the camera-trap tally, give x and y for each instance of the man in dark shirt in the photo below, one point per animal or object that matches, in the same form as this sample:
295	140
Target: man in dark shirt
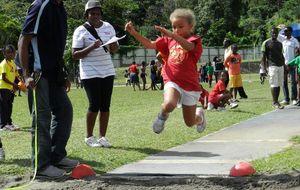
41	48
273	60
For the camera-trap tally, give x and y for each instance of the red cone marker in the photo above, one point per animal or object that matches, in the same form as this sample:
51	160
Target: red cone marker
242	169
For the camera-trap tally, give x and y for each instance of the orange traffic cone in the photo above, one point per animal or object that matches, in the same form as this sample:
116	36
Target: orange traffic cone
242	169
81	171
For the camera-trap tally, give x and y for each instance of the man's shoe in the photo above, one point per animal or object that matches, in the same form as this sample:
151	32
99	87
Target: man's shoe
67	163
295	102
158	124
278	106
202	125
51	172
11	127
104	142
2	154
92	142
284	102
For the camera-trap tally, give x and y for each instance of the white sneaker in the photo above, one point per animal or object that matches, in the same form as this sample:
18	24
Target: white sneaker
158	124
233	105
201	126
210	106
295	102
92	142
2	154
284	102
104	142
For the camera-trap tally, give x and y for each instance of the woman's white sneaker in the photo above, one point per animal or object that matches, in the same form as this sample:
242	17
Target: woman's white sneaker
92	142
104	142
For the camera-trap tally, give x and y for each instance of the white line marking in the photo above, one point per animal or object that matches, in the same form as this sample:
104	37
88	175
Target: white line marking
211	161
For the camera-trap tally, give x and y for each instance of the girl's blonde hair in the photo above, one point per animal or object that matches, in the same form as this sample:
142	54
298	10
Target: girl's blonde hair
187	14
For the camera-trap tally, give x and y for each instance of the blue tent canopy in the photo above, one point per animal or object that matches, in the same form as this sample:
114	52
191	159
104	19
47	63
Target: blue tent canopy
296	30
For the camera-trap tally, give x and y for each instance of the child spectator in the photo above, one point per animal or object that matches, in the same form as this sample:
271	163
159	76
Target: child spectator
143	74
294	62
153	76
203	73
233	63
220	96
210	72
8	72
127	77
218	67
159	77
180	71
134	75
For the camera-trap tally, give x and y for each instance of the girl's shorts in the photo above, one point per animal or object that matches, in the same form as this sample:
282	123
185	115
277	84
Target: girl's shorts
235	81
187	98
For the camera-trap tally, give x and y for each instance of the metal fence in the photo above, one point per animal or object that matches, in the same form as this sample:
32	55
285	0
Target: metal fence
138	55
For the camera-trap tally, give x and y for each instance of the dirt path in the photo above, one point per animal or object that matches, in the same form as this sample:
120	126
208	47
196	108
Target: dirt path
276	181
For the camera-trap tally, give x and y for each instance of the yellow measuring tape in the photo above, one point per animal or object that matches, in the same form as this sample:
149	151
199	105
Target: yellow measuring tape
35	149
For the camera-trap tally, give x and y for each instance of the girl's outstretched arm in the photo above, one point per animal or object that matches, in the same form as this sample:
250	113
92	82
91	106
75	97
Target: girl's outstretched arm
143	40
182	41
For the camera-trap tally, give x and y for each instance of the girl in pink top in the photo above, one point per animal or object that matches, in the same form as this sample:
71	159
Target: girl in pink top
180	75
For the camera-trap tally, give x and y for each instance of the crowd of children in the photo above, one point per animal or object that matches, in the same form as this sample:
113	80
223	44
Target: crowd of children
134	72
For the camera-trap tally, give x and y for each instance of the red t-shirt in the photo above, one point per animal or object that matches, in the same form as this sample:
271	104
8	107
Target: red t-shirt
219	88
181	65
233	63
133	68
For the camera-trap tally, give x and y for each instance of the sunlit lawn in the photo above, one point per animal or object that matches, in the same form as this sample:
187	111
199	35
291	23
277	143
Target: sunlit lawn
129	129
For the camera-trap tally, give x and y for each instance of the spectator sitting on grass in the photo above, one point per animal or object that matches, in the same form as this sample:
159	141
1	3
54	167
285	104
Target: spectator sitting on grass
220	96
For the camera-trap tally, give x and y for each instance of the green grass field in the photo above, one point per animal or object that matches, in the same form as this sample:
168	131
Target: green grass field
130	129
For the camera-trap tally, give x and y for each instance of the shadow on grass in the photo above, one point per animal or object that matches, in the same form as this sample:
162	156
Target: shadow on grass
243	111
258	99
142	150
19	162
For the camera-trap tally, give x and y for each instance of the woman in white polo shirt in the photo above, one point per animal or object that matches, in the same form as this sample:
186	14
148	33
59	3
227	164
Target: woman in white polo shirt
96	69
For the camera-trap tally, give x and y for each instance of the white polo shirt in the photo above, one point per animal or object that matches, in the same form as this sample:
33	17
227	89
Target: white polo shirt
98	63
289	46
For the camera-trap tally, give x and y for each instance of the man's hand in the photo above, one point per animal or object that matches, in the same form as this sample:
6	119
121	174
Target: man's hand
29	83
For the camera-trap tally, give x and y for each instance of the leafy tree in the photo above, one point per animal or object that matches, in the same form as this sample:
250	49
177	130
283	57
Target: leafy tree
216	18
